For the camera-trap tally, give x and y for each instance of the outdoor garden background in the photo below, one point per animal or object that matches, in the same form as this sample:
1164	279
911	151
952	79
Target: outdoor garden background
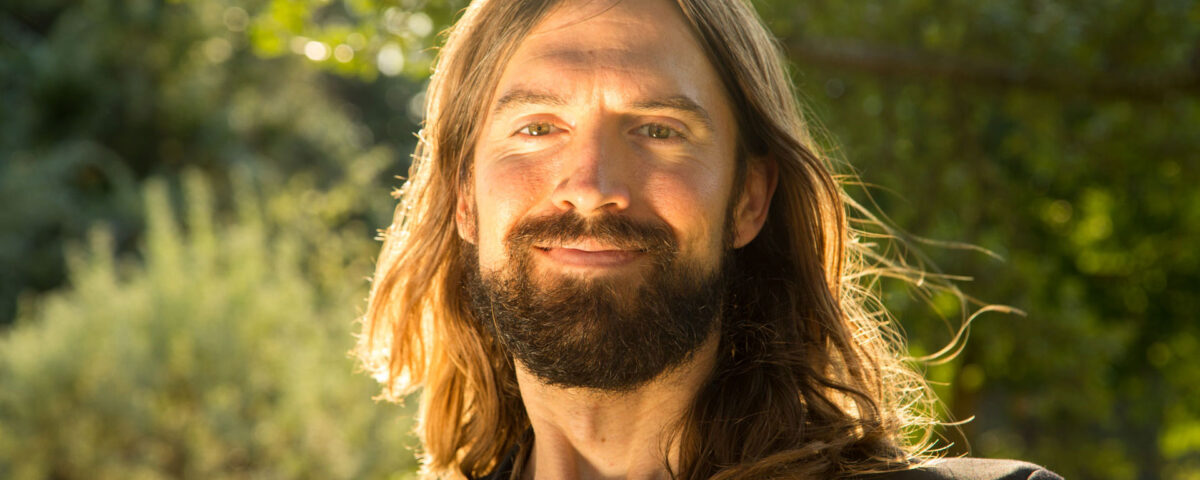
190	190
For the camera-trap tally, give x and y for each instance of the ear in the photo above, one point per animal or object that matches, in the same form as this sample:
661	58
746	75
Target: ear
750	212
464	216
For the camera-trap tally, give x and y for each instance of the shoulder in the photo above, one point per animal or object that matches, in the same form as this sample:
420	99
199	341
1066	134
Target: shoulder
970	469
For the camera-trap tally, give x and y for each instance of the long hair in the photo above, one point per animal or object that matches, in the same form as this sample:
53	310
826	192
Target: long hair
811	380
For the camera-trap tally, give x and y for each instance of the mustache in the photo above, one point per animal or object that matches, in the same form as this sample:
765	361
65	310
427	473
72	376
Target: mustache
621	232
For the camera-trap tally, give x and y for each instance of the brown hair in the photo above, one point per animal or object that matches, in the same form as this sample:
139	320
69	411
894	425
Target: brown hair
811	380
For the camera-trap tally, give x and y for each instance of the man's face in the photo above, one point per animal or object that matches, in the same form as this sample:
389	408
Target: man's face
605	170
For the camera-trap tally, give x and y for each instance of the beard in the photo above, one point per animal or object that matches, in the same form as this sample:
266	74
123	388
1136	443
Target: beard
605	333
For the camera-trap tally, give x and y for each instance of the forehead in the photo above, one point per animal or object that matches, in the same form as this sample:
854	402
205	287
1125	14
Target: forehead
639	47
587	30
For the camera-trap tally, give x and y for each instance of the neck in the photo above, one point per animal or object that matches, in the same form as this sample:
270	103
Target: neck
587	434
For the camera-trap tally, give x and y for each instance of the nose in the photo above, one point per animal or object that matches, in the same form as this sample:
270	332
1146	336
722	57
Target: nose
593	178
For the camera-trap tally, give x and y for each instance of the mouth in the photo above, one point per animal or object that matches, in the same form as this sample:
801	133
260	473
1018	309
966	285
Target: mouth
589	254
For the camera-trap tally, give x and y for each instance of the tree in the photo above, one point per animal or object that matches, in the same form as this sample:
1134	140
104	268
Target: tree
1051	133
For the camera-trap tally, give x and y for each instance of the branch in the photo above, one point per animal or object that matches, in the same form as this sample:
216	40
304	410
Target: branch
910	64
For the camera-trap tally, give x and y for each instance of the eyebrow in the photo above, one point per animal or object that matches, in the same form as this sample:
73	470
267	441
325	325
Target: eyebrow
521	97
676	103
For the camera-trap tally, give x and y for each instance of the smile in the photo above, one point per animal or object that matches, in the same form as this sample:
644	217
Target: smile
589	254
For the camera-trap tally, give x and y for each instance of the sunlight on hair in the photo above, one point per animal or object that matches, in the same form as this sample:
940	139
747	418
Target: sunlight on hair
823	332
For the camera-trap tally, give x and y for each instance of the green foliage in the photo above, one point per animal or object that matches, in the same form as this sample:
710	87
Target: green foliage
1059	134
1055	134
362	38
101	94
220	354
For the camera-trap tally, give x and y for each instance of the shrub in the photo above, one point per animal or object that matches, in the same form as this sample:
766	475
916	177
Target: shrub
221	353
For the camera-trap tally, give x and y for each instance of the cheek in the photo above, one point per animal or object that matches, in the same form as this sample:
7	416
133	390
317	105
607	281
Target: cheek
693	203
505	193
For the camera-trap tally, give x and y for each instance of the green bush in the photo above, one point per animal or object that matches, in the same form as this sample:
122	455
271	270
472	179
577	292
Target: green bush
101	94
221	353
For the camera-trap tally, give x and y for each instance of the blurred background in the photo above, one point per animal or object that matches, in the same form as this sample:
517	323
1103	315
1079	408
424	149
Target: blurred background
189	192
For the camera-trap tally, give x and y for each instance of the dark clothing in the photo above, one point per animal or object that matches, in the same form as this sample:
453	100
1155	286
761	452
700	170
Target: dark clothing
948	469
971	469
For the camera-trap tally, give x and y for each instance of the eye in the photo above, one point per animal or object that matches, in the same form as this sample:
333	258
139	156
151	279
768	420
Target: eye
658	131
537	129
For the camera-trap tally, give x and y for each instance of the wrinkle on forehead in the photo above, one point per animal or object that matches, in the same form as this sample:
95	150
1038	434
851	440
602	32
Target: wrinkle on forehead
616	57
627	52
656	19
597	36
586	9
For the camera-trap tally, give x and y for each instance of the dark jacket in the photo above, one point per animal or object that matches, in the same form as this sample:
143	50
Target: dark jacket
971	469
948	469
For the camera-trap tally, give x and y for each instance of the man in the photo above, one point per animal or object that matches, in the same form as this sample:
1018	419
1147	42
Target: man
619	255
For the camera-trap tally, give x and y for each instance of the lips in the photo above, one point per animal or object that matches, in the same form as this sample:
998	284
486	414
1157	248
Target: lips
587	253
570	241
